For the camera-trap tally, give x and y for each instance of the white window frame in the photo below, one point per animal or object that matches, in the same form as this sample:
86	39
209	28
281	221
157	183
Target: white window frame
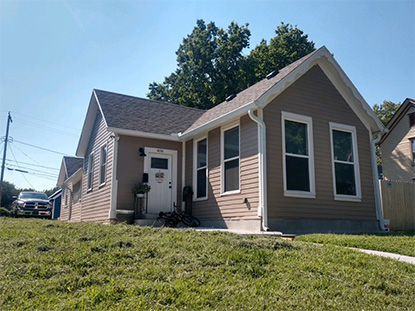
223	161
311	172
101	163
90	172
352	130
195	168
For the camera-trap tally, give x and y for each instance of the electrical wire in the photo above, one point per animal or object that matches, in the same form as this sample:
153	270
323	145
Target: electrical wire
11	150
35	170
27	155
41	119
45	127
42	166
41	148
31	173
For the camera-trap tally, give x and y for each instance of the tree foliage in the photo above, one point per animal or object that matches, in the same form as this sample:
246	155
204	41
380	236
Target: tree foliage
386	110
211	64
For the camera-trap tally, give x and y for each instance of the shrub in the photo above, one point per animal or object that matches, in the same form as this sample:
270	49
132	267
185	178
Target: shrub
4	212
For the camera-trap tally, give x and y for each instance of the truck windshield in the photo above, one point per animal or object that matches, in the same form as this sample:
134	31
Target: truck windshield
33	195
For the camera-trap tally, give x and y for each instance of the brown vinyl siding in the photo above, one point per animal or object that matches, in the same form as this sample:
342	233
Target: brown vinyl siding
96	202
313	95
64	207
130	167
397	153
228	207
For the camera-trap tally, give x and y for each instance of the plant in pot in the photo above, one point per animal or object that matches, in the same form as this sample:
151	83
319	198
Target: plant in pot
140	190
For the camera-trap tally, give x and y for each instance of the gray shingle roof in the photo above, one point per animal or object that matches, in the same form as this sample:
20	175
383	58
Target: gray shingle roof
246	96
72	164
145	115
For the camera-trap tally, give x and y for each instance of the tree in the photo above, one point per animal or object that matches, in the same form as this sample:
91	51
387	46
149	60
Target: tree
49	192
385	113
211	64
386	110
9	190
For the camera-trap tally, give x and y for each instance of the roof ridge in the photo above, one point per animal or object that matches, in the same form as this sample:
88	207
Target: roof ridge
151	100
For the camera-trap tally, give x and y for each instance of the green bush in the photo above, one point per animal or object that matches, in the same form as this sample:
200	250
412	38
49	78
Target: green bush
4	212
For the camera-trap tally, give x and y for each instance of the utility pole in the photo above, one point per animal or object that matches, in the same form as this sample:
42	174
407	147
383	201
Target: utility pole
9	120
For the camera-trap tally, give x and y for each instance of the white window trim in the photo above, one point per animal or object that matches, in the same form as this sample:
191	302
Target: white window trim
222	155
100	166
195	168
352	130
311	173
90	169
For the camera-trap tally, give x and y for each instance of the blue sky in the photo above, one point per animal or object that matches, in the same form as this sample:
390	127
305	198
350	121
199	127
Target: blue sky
53	53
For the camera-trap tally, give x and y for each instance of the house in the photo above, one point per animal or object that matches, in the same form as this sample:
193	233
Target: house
398	144
292	153
56	199
70	181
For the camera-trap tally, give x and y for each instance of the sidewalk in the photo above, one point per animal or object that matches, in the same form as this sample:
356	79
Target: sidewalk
407	259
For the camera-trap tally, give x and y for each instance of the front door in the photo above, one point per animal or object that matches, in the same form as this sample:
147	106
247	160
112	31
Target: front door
159	168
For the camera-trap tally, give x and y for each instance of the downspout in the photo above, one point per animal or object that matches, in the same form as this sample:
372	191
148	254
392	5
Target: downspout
114	180
262	169
378	200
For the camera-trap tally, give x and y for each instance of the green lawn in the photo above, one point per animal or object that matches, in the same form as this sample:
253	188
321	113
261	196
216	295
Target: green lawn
48	265
399	243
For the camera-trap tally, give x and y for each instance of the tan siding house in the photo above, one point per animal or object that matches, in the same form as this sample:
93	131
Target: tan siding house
292	153
398	145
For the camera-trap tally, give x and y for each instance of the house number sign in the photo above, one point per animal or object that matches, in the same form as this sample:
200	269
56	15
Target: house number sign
159	177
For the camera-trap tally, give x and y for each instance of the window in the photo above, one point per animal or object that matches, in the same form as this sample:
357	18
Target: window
345	163
66	196
103	165
413	150
90	170
298	155
76	193
160	163
230	159
200	168
412	120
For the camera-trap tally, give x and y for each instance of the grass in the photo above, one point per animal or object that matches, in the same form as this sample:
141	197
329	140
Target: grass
399	243
48	265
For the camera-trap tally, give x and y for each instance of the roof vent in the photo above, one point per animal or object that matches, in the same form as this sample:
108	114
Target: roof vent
272	74
230	97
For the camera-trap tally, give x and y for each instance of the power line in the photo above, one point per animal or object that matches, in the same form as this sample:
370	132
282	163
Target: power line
35	170
46	127
11	150
31	173
41	148
42	166
41	119
27	155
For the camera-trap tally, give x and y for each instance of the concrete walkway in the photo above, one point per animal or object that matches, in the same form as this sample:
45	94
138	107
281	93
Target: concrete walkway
407	259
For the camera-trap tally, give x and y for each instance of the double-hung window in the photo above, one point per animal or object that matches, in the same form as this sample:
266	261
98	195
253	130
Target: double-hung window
230	159
298	155
200	178
412	140
103	165
345	162
90	171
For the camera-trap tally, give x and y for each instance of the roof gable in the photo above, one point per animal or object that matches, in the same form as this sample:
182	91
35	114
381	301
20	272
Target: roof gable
69	166
397	117
263	92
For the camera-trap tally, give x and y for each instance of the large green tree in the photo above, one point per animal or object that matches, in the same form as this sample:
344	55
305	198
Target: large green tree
211	64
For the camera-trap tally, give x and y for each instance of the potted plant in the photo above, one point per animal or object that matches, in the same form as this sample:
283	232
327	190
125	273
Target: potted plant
140	190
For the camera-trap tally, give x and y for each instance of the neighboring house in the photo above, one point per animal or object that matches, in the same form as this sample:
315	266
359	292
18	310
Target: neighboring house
398	145
292	153
56	199
70	180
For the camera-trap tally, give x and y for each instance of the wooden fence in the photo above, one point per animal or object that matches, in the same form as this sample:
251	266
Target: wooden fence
398	199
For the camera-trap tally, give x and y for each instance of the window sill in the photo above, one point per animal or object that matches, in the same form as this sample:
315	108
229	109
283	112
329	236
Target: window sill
223	194
200	199
102	185
300	194
347	198
89	190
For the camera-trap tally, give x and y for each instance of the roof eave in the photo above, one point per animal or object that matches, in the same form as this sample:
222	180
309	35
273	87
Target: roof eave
119	131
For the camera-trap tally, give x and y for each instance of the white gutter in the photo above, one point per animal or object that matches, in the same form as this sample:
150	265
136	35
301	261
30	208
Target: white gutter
262	167
172	137
378	200
114	180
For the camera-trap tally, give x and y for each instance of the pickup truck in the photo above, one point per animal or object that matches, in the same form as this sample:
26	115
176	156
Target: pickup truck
34	204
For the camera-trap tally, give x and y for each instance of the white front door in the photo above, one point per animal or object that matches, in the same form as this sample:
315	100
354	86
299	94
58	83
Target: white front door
160	173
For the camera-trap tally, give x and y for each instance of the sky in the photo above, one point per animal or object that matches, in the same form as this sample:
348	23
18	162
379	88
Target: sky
54	53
